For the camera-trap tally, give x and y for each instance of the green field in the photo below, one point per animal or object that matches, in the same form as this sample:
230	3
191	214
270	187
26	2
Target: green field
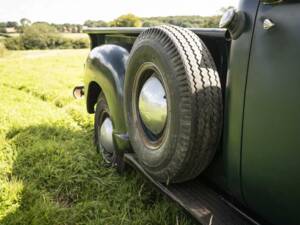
74	35
50	172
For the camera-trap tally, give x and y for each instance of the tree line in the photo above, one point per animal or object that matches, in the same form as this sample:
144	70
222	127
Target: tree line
130	20
43	35
127	20
19	26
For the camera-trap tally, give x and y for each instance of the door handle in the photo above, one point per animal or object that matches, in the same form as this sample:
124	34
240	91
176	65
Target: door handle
268	24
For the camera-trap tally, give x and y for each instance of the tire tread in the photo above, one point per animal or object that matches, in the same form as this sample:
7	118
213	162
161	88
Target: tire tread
200	89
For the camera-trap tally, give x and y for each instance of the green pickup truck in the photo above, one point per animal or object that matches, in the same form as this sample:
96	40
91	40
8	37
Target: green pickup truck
210	116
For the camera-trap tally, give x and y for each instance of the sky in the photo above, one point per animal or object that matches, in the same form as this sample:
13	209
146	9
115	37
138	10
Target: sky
78	11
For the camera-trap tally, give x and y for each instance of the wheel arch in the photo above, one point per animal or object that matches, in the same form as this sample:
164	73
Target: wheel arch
104	73
93	93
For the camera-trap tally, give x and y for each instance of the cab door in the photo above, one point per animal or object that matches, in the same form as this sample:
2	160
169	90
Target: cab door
270	164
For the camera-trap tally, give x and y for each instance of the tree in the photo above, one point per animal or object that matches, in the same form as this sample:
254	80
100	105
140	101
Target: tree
2	27
38	36
183	21
151	23
2	24
128	20
95	23
25	22
12	24
79	28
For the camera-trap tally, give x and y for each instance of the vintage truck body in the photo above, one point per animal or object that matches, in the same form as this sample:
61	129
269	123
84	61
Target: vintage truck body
254	177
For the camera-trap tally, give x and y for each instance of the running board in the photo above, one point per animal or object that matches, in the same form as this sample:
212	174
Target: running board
204	204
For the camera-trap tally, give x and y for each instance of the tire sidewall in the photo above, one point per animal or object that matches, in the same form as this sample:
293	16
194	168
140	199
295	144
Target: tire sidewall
155	160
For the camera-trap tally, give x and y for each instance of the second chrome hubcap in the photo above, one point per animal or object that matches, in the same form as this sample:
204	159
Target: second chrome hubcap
153	105
106	138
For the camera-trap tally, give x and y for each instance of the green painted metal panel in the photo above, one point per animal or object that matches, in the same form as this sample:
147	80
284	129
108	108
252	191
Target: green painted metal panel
271	142
234	100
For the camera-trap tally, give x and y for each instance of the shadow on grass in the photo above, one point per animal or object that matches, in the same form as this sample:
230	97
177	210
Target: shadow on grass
64	183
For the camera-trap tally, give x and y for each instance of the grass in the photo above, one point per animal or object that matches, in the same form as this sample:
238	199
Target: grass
74	35
50	172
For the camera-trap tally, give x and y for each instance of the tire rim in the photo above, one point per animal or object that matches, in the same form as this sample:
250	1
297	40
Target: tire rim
105	132
151	105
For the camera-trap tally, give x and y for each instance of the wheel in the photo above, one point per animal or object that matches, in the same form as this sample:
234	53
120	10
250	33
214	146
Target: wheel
173	103
103	130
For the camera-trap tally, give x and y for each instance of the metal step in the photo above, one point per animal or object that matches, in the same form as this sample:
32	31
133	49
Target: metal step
204	204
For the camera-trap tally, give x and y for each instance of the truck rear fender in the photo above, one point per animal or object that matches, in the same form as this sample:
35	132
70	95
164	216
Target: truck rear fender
105	72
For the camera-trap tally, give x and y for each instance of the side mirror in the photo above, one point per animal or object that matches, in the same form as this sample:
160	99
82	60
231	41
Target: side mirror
234	21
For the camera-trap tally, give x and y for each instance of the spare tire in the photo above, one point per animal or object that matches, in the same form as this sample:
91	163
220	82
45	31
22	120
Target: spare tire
173	103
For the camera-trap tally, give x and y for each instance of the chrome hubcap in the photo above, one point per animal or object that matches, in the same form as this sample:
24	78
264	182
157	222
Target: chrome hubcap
106	138
153	105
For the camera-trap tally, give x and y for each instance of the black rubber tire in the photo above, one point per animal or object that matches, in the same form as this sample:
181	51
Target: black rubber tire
194	97
102	111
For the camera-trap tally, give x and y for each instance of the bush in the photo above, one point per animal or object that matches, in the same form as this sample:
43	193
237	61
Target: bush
39	36
2	49
80	43
2	30
128	20
43	36
65	43
13	43
183	21
95	23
